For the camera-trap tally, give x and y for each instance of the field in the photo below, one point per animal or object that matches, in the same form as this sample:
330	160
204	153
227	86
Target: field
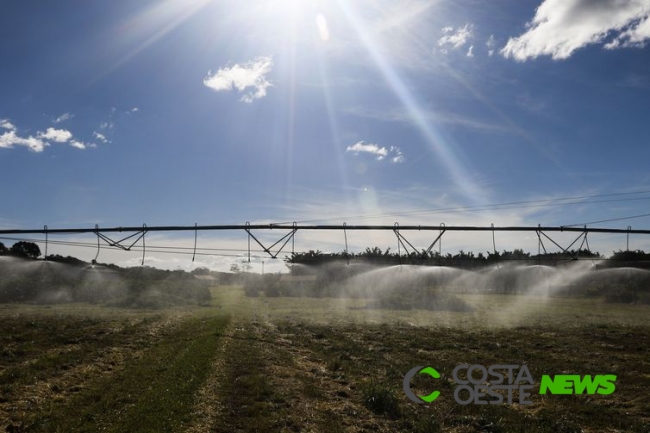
308	364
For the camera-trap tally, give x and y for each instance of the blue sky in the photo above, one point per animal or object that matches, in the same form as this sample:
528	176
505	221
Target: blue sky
174	112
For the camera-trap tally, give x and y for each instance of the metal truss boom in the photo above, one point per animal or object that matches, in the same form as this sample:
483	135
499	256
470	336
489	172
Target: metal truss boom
246	227
138	233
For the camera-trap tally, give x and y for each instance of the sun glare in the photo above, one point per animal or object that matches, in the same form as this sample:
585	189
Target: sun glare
440	148
323	30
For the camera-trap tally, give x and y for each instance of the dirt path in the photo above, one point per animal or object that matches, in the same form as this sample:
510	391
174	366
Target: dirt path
209	406
266	380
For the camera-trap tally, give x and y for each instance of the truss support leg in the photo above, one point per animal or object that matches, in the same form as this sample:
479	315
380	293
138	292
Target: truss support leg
566	250
286	238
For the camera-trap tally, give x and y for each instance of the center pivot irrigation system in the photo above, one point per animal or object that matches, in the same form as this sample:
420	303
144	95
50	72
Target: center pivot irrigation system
273	250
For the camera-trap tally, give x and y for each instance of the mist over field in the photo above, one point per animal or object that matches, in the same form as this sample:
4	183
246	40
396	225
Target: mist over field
296	350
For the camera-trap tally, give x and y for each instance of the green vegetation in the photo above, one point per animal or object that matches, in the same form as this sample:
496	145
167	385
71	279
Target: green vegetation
381	399
25	249
153	393
467	260
251	402
148	384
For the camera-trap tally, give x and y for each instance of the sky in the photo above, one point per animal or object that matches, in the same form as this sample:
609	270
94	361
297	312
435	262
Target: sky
122	113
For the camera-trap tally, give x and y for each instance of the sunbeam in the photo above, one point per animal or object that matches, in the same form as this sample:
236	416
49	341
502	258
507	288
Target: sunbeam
335	134
157	21
460	175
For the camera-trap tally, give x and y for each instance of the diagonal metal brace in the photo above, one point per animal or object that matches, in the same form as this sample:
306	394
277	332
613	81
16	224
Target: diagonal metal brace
582	235
442	232
404	242
286	238
118	244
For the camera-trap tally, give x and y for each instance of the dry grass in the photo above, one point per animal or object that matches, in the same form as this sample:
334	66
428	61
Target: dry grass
302	364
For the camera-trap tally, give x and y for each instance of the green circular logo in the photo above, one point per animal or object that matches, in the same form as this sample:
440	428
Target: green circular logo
407	384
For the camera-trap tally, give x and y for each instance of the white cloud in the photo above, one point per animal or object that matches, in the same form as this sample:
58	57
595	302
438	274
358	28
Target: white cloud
63	117
133	110
560	27
399	156
6	124
491	45
56	135
361	147
394	153
457	39
470	51
78	144
636	35
100	137
42	140
242	77
9	139
106	125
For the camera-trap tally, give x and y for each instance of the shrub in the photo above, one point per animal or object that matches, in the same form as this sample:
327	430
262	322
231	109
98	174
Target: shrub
380	399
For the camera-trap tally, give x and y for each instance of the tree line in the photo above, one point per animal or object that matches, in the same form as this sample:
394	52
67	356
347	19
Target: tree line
434	258
28	250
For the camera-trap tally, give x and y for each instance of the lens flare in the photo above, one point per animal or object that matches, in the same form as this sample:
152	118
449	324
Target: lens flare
323	29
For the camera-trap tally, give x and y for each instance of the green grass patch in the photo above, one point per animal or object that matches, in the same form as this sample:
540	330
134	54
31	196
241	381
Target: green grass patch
36	348
153	394
251	402
381	399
